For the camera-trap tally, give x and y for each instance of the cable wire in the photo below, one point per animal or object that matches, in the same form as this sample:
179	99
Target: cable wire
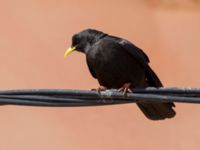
59	97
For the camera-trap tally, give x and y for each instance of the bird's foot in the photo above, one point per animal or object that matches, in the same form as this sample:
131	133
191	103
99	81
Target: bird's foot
125	88
100	88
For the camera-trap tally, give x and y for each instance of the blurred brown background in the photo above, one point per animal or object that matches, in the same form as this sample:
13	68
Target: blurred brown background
34	35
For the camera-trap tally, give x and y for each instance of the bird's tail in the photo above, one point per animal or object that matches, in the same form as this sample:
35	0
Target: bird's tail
156	111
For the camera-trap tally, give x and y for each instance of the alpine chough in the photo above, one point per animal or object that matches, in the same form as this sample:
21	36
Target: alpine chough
117	63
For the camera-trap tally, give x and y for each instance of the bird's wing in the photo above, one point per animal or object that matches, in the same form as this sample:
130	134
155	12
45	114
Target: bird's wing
131	48
141	58
134	50
154	111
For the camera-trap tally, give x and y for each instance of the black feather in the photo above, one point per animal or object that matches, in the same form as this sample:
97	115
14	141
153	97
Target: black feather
114	61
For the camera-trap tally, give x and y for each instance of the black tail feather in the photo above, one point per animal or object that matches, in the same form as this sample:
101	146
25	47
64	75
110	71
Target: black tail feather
156	111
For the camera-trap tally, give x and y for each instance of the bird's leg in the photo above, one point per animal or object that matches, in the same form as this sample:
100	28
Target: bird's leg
125	88
100	88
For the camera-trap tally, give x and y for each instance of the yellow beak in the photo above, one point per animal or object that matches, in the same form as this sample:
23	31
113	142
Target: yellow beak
71	49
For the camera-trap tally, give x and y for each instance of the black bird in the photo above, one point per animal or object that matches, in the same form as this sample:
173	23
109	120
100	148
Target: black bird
117	63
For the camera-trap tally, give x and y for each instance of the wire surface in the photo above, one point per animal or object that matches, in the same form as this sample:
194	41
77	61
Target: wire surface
58	97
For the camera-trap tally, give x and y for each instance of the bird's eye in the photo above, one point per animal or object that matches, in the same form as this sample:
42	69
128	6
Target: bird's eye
75	40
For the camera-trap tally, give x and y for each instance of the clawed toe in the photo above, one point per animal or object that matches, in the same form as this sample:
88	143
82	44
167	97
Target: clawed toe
125	88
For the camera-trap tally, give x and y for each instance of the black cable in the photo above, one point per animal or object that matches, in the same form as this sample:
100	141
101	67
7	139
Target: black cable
58	97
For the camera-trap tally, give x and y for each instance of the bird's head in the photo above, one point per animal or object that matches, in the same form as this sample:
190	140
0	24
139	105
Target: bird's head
83	40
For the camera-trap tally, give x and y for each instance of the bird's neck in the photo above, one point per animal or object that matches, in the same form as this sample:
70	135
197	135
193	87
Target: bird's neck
95	40
87	48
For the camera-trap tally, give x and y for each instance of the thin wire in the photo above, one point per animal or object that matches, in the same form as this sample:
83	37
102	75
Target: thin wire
58	97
